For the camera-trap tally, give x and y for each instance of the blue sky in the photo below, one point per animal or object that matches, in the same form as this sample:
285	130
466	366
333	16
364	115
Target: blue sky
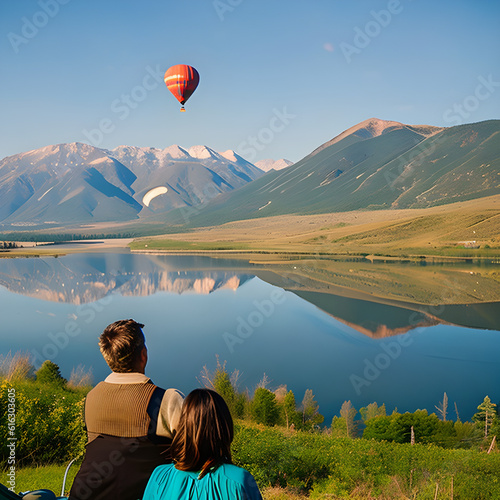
277	77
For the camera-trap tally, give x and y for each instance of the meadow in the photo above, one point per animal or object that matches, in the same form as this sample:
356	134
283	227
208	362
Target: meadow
292	457
444	231
441	231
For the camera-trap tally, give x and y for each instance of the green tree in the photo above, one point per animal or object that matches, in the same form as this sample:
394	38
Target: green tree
264	407
486	415
424	425
379	428
445	434
49	373
466	433
290	414
338	427
372	411
225	385
310	411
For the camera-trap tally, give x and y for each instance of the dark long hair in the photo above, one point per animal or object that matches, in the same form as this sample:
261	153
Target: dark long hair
205	432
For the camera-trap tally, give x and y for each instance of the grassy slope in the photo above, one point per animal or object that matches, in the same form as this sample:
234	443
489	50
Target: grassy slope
433	231
398	169
334	467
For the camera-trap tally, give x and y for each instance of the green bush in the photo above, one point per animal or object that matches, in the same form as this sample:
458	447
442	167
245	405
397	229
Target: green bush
361	468
48	422
50	374
264	407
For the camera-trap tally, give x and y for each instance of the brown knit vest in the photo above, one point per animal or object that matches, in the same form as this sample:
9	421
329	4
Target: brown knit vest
118	410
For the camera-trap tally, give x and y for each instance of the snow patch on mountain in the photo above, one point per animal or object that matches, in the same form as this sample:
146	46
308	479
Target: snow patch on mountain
176	152
269	164
202	153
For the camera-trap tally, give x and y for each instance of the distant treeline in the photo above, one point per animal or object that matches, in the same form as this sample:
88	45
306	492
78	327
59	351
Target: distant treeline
279	408
6	245
52	416
60	238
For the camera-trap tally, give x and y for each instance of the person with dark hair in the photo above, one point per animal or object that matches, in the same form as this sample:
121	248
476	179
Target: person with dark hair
130	421
201	451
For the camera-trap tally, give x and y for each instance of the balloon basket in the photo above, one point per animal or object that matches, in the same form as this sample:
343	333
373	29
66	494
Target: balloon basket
183	110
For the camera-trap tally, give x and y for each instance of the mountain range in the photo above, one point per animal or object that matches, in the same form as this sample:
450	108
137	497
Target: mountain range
376	164
79	183
267	165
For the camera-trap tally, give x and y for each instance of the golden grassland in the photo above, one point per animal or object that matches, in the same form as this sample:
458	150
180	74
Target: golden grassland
299	251
437	232
443	231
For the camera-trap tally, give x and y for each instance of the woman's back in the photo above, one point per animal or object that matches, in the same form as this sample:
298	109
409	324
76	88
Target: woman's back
224	483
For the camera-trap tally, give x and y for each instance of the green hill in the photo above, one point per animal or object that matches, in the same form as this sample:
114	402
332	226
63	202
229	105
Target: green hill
397	166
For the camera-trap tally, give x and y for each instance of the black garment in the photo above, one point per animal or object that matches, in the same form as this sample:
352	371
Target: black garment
119	467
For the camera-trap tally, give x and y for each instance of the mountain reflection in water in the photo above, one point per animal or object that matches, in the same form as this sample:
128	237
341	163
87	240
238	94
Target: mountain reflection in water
77	280
82	279
316	334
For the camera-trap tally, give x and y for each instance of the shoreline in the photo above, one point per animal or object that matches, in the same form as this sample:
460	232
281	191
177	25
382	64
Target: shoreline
123	246
319	255
33	249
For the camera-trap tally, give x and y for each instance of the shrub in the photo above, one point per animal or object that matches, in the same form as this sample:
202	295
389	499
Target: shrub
48	422
341	467
264	407
49	373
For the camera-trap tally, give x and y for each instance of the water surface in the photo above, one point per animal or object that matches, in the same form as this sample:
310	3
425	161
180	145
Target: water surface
343	344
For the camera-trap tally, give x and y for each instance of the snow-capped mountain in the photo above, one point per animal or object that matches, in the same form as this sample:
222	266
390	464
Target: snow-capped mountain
268	164
79	183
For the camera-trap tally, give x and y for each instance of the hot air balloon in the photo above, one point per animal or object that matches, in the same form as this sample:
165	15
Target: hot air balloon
182	81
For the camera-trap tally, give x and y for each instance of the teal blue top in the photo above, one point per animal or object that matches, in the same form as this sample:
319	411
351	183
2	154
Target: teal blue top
227	482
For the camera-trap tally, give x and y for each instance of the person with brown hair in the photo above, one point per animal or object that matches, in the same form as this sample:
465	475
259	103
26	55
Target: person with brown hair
130	421
201	451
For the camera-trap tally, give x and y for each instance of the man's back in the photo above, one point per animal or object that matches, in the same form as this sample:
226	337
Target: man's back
130	424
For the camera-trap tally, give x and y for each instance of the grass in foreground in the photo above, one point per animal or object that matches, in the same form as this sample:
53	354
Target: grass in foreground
296	464
48	476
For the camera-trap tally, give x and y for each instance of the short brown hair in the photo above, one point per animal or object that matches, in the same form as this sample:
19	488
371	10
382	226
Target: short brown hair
121	344
205	432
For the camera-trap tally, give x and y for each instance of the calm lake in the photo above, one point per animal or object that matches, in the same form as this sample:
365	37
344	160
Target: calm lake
288	320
